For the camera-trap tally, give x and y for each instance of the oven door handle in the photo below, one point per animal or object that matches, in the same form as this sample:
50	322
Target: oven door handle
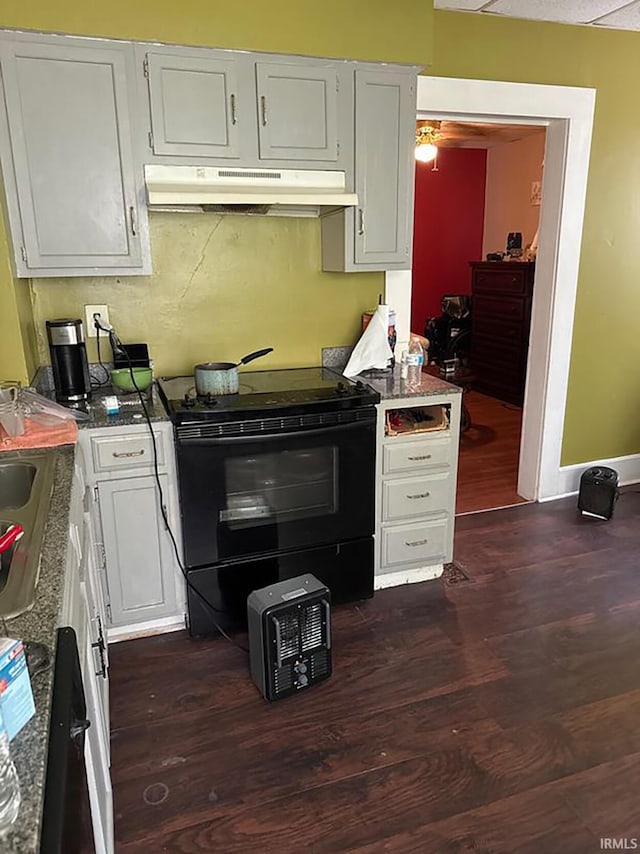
262	437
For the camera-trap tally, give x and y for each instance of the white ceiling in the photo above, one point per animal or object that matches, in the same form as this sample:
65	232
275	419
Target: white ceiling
619	14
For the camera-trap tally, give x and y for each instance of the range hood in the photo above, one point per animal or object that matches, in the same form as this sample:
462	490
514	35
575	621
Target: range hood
258	190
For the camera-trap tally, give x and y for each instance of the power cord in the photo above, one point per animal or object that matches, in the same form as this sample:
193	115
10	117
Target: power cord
96	382
163	509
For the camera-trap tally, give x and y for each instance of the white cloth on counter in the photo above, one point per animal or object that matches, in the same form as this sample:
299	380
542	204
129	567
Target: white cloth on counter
372	350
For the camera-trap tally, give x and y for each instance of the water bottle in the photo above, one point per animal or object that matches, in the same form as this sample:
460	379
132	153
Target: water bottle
9	784
415	361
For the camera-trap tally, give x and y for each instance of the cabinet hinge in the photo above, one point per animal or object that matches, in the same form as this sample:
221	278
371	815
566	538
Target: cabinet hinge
145	67
96	494
151	140
338	147
109	617
23	253
337	84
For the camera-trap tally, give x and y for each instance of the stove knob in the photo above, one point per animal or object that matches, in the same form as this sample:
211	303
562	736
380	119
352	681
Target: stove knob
360	386
342	389
210	400
188	402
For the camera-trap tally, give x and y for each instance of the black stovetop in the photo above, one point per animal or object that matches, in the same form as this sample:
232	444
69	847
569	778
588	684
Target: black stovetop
294	389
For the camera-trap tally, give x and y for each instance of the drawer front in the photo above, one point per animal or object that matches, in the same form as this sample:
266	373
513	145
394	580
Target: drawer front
506	308
507	330
416	496
419	542
125	452
407	456
503	281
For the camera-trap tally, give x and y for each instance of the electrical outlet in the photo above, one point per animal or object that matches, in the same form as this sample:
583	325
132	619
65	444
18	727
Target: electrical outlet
89	311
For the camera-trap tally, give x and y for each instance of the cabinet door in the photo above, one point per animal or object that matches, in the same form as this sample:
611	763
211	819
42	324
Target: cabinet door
71	157
195	105
139	554
385	139
97	763
297	112
97	630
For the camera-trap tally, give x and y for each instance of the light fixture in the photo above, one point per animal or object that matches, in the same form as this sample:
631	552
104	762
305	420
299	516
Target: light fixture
427	133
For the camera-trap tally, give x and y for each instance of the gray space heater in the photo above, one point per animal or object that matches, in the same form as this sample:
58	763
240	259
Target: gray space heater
289	636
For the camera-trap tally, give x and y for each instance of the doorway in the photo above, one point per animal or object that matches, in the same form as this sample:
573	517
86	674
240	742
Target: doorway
480	191
567	114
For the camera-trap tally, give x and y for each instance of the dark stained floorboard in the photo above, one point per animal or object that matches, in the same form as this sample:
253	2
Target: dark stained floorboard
499	716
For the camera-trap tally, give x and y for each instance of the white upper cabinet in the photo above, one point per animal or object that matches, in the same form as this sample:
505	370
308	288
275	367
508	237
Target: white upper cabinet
74	194
298	112
223	107
196	107
377	235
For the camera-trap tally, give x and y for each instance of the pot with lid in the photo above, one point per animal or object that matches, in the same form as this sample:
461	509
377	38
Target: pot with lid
219	378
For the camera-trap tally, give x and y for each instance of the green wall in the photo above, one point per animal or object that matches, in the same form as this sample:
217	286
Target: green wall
222	286
356	29
603	407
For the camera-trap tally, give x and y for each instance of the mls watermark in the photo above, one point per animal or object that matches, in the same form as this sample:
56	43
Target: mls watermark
626	843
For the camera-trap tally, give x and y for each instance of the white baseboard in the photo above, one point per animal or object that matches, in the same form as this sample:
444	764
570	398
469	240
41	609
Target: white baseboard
407	576
146	629
628	469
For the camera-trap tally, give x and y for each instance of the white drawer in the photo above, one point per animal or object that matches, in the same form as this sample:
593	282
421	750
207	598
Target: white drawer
416	496
125	452
406	456
418	542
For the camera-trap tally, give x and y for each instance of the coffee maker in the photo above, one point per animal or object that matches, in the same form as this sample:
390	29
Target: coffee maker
68	360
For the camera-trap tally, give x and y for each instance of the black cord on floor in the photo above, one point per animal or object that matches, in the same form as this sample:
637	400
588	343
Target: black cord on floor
165	517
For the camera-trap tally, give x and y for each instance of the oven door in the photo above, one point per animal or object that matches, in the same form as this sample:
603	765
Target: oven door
275	489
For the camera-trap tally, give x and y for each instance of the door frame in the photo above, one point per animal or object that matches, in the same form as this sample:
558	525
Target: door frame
567	114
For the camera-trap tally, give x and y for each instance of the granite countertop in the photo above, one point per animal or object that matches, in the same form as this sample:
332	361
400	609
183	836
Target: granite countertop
130	408
29	748
391	386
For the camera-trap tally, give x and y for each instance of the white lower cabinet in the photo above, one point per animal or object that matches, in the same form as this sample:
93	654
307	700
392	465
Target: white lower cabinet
142	586
416	491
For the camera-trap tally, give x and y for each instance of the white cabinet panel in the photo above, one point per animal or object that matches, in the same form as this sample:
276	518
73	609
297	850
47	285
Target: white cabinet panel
195	105
71	158
420	542
298	112
416	496
138	551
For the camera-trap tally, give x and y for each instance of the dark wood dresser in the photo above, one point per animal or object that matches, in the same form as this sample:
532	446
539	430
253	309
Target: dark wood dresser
500	320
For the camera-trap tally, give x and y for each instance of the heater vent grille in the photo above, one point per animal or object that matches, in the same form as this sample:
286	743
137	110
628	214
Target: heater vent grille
311	629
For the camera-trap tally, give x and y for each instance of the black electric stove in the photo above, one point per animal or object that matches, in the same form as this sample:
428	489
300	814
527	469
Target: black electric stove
295	389
274	481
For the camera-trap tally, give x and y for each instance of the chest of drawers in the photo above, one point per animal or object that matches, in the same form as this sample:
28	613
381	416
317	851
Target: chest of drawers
502	294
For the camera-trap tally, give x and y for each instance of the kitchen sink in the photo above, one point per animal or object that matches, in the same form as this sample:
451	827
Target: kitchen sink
25	493
16	483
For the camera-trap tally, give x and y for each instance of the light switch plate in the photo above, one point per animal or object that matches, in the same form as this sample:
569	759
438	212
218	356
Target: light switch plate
89	328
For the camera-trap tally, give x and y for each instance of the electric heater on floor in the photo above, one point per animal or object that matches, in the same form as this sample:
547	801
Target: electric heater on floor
289	636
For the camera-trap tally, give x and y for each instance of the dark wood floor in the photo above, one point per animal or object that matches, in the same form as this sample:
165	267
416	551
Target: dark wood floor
499	716
489	455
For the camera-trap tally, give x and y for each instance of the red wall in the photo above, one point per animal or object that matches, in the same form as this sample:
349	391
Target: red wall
448	226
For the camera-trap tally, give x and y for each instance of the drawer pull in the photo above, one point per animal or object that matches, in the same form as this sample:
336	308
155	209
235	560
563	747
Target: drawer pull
423	457
416	543
420	495
124	454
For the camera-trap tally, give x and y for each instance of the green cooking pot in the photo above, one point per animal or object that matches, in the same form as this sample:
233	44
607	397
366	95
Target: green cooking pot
122	380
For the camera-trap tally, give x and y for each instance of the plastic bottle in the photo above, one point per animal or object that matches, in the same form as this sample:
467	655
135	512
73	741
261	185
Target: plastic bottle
415	361
9	783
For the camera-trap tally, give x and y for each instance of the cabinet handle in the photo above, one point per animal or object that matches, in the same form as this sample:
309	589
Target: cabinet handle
360	221
420	495
416	543
233	109
99	645
263	109
423	457
132	220
121	454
